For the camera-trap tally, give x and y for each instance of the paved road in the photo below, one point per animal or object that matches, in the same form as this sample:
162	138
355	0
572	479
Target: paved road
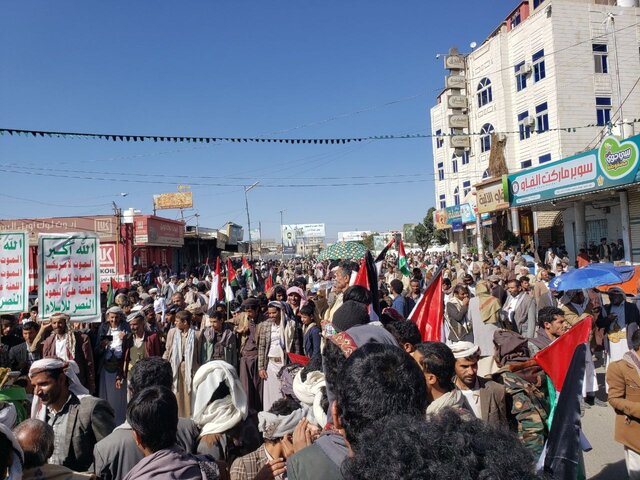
606	460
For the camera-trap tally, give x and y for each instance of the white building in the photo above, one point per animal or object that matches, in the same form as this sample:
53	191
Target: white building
544	80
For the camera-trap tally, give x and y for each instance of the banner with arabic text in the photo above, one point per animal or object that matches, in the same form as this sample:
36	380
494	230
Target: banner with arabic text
69	276
14	272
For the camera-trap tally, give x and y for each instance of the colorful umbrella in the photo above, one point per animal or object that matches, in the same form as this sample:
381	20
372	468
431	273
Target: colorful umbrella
343	251
591	276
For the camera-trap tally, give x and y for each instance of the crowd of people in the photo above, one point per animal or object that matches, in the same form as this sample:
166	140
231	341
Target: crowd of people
301	374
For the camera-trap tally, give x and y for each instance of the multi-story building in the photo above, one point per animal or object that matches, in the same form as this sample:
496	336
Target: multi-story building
546	82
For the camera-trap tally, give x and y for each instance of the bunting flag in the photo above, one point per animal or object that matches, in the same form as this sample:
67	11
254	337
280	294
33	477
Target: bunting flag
216	294
556	358
428	313
402	260
562	457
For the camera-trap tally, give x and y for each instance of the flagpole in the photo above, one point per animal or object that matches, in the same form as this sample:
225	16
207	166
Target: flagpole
246	203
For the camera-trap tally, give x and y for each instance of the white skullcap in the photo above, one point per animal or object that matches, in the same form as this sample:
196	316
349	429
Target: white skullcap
464	349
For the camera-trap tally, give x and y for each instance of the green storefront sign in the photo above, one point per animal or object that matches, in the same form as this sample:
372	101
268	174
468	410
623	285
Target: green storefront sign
613	164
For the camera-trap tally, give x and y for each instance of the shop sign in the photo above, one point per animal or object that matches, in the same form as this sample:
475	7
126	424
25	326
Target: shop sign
440	219
456	101
490	198
454	81
460	141
613	164
459	120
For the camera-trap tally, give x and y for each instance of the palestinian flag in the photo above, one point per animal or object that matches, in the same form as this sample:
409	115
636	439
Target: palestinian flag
428	314
402	260
110	293
216	293
367	277
247	272
268	283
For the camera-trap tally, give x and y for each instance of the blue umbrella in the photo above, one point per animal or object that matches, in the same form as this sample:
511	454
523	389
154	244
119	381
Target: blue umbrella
591	276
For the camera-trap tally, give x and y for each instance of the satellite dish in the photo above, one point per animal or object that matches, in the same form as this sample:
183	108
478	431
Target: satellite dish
473	44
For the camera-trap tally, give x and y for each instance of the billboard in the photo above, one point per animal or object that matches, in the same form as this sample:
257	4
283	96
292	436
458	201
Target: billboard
289	239
235	233
161	232
166	201
306	230
354	236
612	164
408	232
255	234
491	197
105	226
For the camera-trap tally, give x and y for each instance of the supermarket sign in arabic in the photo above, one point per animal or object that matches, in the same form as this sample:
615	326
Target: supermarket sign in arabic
614	163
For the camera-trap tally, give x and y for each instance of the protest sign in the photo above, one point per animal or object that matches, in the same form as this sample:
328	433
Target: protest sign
69	276
14	271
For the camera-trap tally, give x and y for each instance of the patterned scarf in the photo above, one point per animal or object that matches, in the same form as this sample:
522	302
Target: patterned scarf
632	359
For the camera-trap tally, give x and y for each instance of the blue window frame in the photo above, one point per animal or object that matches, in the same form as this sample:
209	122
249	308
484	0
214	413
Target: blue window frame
538	66
537	3
443	201
454	164
485	174
466	188
603	110
523	126
525	164
600	60
465	157
441	171
439	139
542	118
484	92
456	196
485	137
521	77
544	158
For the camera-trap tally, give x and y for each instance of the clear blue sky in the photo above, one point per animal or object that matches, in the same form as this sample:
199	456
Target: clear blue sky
229	68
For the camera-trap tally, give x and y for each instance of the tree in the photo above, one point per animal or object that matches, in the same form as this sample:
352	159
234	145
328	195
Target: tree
368	241
427	234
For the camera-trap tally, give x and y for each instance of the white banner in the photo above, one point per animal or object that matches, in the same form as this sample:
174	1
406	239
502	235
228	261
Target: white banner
69	276
305	230
14	272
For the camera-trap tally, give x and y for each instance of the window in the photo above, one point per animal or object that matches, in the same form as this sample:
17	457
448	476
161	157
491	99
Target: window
485	174
603	110
465	157
523	125
542	118
441	171
596	229
439	139
484	92
443	201
537	3
538	66
544	158
515	19
466	188
521	77
485	137
454	164
456	196
600	58
525	164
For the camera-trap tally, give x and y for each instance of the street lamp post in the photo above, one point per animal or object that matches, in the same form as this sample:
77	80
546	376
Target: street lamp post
281	238
246	203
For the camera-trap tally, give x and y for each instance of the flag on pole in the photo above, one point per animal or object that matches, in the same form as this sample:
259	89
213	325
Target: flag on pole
110	295
231	281
382	255
556	358
361	277
562	456
402	260
268	283
216	293
247	272
367	277
428	313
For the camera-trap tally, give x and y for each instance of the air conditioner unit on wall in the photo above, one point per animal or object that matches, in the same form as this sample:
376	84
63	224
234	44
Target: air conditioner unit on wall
530	121
526	68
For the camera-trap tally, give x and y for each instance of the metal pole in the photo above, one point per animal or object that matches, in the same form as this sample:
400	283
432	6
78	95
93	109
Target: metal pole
615	47
281	238
246	203
198	235
260	240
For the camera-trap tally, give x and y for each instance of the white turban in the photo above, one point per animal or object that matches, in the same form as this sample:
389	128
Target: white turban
309	393
222	414
464	349
275	426
70	369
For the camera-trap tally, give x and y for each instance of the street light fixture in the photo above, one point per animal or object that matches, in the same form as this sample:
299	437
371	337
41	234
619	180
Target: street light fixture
246	203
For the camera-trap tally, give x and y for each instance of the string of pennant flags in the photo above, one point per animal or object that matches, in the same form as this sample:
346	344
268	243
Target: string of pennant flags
318	141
